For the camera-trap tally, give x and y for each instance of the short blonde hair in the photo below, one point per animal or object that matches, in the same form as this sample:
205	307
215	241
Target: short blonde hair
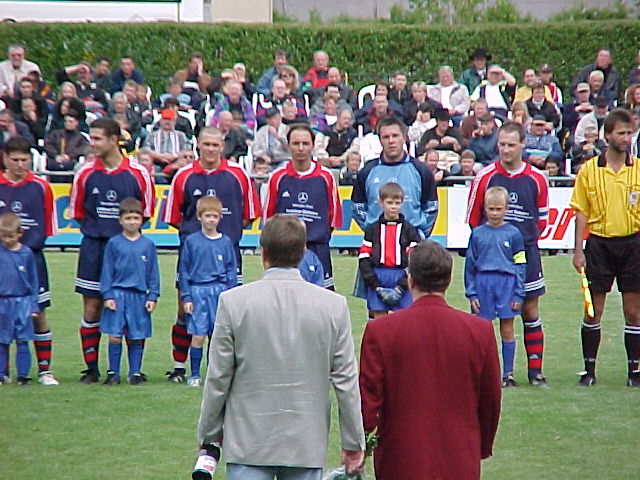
209	204
494	193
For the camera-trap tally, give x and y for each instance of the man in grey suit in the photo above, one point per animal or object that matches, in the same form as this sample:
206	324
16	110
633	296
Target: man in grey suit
277	345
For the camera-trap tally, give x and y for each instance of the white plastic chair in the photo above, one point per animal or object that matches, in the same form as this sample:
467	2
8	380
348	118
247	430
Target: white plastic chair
363	92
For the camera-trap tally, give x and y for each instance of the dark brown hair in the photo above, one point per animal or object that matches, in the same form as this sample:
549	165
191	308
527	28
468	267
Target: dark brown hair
283	240
430	267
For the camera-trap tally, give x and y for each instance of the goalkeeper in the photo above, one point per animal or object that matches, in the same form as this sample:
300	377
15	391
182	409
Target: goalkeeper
384	254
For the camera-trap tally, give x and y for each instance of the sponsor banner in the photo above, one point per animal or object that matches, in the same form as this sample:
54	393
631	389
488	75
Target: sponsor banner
558	234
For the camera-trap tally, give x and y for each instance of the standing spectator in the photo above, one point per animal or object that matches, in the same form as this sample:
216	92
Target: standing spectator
399	92
14	69
127	71
308	190
607	206
288	403
271	141
316	76
611	75
420	339
64	148
451	95
280	58
497	90
527	210
101	74
477	72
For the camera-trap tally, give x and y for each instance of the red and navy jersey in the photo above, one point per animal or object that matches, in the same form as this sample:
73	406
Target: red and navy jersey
229	182
312	197
386	243
528	199
96	194
31	199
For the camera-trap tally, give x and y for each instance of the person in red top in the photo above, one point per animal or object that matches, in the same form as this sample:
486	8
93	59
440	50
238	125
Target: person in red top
97	190
318	75
210	175
306	189
430	380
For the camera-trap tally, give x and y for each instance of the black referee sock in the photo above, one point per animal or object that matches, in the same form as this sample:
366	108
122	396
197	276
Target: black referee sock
632	345
590	334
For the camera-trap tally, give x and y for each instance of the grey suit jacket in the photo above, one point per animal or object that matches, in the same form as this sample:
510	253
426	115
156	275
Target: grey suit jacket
277	345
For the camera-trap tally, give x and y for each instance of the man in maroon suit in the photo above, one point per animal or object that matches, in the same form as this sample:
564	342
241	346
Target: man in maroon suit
430	381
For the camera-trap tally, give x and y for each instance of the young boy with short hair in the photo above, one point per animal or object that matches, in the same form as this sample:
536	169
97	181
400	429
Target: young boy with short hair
494	273
384	254
207	268
130	286
18	298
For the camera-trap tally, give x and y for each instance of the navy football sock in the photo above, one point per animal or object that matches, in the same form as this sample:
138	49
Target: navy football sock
508	354
195	355
23	359
135	349
115	354
4	360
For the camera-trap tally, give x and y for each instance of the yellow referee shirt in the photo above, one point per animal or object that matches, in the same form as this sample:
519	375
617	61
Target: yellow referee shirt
609	200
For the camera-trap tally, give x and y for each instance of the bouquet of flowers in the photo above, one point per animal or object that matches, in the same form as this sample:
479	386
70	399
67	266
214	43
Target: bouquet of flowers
338	473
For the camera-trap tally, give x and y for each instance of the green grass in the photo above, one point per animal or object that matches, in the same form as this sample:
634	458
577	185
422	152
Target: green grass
78	432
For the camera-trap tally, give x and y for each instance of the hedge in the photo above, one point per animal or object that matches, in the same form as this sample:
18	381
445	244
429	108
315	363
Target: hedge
367	52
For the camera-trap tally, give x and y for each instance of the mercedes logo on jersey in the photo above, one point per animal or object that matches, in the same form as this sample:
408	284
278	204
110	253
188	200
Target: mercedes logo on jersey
211	192
112	196
303	197
513	197
16	206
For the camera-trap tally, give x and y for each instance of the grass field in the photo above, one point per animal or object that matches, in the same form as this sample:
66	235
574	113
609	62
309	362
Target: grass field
78	432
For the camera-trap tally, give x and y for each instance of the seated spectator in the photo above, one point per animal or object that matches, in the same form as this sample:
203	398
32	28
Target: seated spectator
632	98
597	87
43	89
241	76
540	145
399	92
520	114
141	107
441	137
64	148
271	143
333	144
120	104
381	88
127	71
368	116
291	114
88	91
265	82
29	116
143	102
25	90
477	72
611	79
127	141
14	69
634	74
185	157
423	122
276	99
345	93
590	147
546	77
146	159
260	176
182	123
332	90
431	158
317	75
235	140
349	172
484	141
574	111
497	90
538	105
472	121
166	142
466	167
68	101
101	74
594	118
173	90
235	101
291	79
193	80
9	127
370	147
451	95
530	78
216	87
327	117
552	170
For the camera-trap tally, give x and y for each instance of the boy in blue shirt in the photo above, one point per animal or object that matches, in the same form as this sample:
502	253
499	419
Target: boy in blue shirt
18	298
207	268
130	286
494	273
384	254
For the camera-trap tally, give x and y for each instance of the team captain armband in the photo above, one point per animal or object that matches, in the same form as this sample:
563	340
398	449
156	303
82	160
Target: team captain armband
520	257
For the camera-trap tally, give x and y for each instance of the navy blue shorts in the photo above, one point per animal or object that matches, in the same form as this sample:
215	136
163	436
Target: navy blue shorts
534	279
495	293
90	265
130	318
324	255
388	278
205	306
15	319
44	295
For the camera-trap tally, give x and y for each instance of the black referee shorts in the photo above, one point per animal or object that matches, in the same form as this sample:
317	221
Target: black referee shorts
613	258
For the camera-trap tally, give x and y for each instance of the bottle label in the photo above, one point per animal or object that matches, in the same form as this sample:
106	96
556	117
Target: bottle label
206	463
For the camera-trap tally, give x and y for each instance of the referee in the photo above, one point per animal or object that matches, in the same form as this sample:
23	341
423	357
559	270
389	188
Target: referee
606	199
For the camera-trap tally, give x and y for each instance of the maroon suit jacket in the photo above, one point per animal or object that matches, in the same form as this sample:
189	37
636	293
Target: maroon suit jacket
430	383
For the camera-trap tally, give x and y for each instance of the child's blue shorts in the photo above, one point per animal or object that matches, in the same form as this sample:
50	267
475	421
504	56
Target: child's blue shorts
205	305
388	278
15	319
495	293
129	319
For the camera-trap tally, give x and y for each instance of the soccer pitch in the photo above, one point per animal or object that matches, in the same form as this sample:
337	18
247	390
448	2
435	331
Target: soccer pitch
78	432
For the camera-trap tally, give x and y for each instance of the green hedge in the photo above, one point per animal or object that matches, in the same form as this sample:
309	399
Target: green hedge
366	52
